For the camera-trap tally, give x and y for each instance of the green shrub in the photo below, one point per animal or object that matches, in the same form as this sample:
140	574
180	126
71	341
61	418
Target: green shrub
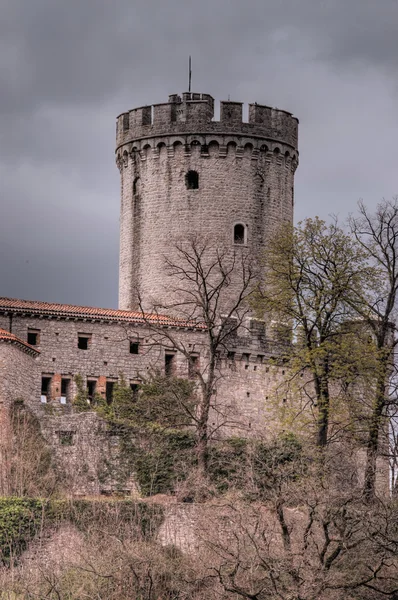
20	521
81	401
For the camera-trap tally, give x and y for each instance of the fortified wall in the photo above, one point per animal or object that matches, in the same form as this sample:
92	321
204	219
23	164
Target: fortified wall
49	344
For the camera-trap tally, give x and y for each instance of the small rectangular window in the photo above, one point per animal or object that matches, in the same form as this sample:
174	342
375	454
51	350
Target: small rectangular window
135	389
109	391
91	385
239	234
45	389
33	337
66	438
246	358
83	341
134	346
169	364
260	358
65	385
193	366
231	355
192	180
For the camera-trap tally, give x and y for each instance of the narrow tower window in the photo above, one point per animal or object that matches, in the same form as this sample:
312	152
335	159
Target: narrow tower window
192	180
239	234
136	186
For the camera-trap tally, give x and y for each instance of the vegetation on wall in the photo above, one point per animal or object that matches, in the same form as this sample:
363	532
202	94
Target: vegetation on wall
152	428
23	519
81	401
26	461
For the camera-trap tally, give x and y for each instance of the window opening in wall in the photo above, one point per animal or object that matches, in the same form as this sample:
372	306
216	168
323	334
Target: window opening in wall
135	389
169	364
239	234
83	341
231	355
66	438
45	389
193	366
109	391
192	180
65	383
33	337
134	347
136	186
91	385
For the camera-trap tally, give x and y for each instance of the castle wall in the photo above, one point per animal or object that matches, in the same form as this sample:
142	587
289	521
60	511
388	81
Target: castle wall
247	388
86	455
19	373
106	358
253	396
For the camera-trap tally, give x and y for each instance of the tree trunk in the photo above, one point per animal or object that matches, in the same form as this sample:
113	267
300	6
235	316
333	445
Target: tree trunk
202	449
369	486
323	401
202	446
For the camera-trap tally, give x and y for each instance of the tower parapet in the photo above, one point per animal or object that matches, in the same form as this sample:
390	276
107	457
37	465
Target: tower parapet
194	113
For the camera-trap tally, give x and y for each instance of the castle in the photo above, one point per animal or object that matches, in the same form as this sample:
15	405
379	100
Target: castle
183	176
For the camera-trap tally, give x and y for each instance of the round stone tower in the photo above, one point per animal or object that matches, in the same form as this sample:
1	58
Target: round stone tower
185	175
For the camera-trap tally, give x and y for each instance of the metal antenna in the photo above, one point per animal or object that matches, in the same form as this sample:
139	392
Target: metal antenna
190	76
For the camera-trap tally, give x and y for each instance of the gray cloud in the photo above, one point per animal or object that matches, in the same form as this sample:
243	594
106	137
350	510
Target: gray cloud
68	68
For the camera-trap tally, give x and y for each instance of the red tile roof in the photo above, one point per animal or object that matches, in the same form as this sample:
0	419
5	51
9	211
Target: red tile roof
6	336
47	309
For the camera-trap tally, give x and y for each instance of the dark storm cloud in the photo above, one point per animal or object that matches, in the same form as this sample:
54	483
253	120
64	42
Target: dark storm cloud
68	68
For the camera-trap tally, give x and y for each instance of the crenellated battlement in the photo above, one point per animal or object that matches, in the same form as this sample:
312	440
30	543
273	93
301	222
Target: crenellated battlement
194	112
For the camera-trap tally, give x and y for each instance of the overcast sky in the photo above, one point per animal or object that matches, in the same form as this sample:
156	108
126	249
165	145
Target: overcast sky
68	68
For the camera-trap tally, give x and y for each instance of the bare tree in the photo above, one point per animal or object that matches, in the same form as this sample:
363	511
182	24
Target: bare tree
211	288
26	463
377	234
308	538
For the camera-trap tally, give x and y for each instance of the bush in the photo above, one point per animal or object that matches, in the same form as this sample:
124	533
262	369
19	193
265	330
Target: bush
20	521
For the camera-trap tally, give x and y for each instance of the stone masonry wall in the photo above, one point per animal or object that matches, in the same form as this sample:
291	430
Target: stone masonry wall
246	387
251	399
246	176
108	354
19	373
87	457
